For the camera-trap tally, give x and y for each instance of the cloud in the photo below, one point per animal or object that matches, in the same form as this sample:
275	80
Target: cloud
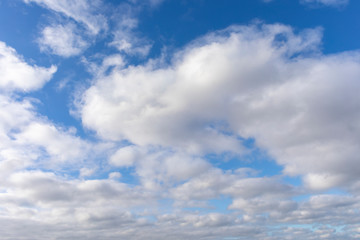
127	40
67	39
17	75
160	121
74	207
152	3
62	40
330	3
125	156
82	11
263	82
27	139
157	168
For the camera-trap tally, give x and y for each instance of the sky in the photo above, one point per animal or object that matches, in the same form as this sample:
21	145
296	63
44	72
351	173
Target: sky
179	119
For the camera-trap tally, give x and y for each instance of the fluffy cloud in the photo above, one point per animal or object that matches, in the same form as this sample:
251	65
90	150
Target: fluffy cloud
39	201
28	139
62	40
16	74
261	82
265	82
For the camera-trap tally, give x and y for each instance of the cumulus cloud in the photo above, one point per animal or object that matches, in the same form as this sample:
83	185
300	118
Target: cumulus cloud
62	40
26	138
18	75
263	82
157	168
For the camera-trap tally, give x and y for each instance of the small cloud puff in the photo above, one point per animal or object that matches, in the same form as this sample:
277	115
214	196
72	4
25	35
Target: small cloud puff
63	40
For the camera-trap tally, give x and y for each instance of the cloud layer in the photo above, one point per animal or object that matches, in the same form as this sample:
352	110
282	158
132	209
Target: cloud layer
172	140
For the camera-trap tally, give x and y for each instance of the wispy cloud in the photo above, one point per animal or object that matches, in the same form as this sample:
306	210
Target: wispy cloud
62	40
69	38
82	11
330	3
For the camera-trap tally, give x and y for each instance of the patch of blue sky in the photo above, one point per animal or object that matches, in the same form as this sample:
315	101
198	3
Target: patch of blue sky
337	191
293	180
18	32
310	227
216	205
333	191
301	198
57	96
67	172
165	204
256	159
128	175
196	18
220	204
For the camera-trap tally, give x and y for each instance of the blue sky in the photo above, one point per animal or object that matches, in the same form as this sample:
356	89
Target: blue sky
160	119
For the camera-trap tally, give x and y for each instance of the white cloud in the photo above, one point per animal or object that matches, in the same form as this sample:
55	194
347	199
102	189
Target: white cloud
45	201
115	175
67	39
17	75
157	168
125	40
125	156
331	3
82	11
62	40
86	172
27	139
62	146
125	37
262	82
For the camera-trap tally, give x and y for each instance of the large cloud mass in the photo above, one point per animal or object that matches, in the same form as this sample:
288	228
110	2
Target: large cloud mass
262	82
